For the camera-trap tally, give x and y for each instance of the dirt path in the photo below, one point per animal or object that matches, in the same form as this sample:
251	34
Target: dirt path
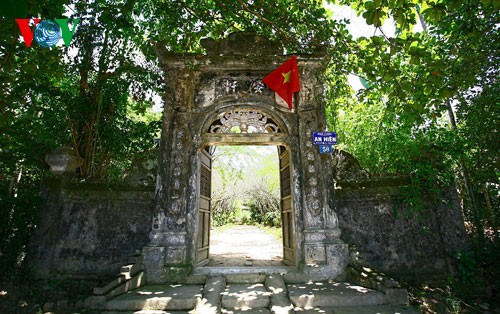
243	245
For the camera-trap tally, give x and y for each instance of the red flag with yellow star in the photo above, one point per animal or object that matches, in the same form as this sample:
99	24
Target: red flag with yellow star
285	80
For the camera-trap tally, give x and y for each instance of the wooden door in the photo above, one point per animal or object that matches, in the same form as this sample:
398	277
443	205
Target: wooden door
287	208
203	237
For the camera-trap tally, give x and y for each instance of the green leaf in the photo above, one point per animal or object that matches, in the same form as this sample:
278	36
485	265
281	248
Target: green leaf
12	9
369	5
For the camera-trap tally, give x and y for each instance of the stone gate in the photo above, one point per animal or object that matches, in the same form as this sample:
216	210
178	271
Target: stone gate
219	99
92	229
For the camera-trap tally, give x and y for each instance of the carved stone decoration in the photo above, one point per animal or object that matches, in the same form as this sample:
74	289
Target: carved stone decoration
315	254
256	87
229	86
175	210
143	169
244	121
63	160
315	205
346	167
236	85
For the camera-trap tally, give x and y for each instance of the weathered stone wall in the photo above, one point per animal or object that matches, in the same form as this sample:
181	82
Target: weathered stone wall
89	229
389	235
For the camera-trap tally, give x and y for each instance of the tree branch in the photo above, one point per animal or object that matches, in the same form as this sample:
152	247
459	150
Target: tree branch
273	25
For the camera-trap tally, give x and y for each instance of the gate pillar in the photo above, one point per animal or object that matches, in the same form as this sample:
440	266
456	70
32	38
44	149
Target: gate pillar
325	255
198	89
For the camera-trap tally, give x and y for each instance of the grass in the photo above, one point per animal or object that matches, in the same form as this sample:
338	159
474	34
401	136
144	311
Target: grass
223	228
276	232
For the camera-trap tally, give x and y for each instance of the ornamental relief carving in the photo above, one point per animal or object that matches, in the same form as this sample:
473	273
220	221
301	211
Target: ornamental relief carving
210	89
315	254
177	157
312	182
244	120
227	86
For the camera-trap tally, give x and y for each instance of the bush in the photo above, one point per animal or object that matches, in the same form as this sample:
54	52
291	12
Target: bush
264	205
223	211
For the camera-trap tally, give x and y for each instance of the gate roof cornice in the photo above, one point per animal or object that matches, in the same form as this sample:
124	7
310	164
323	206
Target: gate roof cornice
230	62
239	51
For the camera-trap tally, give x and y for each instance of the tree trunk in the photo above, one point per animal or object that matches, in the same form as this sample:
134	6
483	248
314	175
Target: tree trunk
467	181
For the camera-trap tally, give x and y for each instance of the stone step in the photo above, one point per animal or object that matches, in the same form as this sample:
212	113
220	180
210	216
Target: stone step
127	272
245	297
280	303
216	270
133	283
253	294
212	291
157	297
112	284
147	312
252	311
325	294
245	278
369	309
131	270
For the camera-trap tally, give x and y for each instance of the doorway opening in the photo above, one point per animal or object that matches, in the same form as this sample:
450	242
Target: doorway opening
245	214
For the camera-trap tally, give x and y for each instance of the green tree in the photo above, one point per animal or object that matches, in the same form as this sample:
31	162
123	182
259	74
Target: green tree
179	25
246	178
430	109
415	82
107	79
78	95
29	127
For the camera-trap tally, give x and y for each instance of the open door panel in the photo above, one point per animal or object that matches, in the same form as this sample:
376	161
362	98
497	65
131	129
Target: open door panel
287	207
203	238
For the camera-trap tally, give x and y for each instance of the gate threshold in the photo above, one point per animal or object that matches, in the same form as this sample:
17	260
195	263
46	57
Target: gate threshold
211	270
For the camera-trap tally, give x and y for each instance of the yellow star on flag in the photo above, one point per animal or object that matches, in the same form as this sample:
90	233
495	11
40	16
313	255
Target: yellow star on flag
286	77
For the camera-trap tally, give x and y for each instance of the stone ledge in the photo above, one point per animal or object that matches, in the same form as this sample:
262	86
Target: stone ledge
379	281
311	295
375	182
158	297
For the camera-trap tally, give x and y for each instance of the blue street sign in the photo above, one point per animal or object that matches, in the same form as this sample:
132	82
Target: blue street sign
325	149
324	138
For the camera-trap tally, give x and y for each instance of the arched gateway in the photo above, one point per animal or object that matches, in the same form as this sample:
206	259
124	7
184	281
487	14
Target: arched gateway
219	99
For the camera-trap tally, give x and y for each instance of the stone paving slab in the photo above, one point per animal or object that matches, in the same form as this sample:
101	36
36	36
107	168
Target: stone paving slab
212	291
245	296
371	309
157	297
245	278
252	311
148	312
280	303
311	295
